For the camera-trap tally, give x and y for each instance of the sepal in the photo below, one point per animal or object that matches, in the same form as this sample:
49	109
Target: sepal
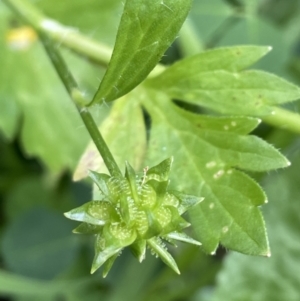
160	172
138	249
182	237
157	247
131	177
186	200
94	212
108	264
102	255
100	179
85	228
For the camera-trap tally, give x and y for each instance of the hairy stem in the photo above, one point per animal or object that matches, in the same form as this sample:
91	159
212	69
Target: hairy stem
30	15
99	142
79	100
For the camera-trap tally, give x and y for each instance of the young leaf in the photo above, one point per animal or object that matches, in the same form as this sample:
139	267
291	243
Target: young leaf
204	161
146	30
207	81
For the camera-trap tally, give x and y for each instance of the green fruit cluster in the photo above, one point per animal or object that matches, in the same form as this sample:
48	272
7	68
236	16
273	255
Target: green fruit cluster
137	212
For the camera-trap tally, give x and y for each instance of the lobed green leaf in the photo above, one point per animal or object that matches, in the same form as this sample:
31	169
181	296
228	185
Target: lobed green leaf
146	30
222	87
276	278
205	161
232	59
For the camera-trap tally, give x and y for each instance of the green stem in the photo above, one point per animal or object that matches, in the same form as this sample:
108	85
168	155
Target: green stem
59	64
30	15
100	143
79	100
284	119
63	35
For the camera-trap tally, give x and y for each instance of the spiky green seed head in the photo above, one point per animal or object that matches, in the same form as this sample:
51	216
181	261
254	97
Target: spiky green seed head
135	212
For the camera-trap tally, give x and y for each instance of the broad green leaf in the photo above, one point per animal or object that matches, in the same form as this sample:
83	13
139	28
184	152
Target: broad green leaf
276	278
205	80
125	134
204	164
39	244
146	30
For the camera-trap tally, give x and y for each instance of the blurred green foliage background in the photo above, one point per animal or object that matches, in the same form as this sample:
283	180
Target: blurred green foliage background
42	139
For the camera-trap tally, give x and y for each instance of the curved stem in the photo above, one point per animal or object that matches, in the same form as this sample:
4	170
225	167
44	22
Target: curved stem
79	100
